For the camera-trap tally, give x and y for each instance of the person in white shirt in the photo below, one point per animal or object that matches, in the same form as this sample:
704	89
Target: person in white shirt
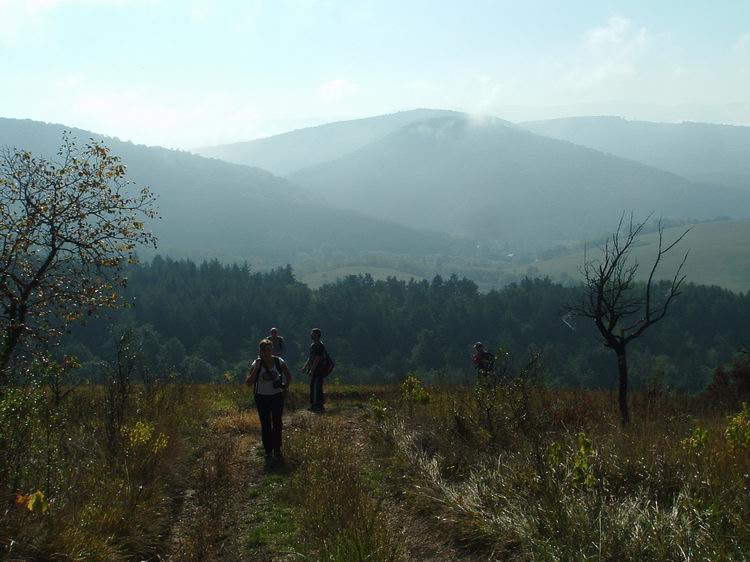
269	377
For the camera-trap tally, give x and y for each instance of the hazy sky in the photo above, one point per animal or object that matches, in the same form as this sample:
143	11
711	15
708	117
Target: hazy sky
182	73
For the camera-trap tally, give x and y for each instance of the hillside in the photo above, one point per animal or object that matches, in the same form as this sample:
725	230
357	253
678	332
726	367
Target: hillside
317	279
719	255
213	209
287	152
698	151
493	181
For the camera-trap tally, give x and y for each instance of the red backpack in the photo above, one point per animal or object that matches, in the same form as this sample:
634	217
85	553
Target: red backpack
327	364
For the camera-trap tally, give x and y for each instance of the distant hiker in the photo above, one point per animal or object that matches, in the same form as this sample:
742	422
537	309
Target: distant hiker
315	369
483	360
279	348
269	377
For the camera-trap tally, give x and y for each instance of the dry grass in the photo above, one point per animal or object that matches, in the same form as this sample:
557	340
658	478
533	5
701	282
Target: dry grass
543	475
340	517
241	421
109	490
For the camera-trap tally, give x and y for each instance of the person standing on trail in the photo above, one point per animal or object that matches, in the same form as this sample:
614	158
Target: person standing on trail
482	359
315	370
279	349
269	377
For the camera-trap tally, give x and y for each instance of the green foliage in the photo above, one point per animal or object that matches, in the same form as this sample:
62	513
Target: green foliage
89	466
70	225
697	440
378	407
378	329
413	393
583	467
737	432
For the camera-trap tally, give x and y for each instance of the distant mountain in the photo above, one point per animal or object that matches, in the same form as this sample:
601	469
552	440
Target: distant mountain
287	152
489	179
719	255
211	208
698	151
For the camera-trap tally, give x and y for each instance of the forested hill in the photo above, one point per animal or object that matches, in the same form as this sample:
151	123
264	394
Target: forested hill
492	180
199	321
287	152
705	152
211	208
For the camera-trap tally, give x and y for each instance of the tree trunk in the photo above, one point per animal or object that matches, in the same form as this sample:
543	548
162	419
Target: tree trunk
7	346
622	370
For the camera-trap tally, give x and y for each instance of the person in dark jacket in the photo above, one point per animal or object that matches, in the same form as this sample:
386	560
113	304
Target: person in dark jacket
315	370
279	349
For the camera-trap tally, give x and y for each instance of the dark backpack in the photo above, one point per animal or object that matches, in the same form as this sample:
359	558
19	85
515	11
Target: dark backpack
326	364
487	362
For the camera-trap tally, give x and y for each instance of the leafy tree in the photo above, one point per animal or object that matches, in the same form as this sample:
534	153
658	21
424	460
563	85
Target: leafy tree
622	309
68	228
173	354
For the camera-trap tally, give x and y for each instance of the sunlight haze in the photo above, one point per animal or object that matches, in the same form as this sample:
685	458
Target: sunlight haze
192	73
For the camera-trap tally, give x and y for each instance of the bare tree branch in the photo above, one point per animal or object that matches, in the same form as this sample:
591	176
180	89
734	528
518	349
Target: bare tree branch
612	300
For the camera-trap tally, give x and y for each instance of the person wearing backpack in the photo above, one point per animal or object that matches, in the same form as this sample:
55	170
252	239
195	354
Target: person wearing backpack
317	367
483	360
278	343
269	378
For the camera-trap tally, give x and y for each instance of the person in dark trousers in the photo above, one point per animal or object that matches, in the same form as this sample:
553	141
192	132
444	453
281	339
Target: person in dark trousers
269	377
482	359
314	369
279	349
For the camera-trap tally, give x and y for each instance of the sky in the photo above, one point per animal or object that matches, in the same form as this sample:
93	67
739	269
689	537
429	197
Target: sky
188	73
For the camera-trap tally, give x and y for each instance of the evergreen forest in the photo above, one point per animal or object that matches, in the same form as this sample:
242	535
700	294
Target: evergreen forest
201	323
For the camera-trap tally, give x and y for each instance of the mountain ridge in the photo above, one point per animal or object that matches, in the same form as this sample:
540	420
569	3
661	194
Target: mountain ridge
489	179
212	208
308	146
703	152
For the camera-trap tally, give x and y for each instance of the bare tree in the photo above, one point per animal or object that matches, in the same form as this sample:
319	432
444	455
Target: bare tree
68	227
621	307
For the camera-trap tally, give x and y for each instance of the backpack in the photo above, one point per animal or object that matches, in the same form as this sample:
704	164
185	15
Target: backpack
487	361
327	364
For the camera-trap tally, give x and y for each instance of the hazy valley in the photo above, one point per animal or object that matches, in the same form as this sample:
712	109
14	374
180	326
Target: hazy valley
425	192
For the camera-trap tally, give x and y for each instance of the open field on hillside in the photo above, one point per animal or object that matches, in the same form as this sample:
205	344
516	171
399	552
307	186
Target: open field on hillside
719	255
319	278
503	470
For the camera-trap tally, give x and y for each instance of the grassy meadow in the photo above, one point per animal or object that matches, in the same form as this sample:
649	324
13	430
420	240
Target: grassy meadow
718	256
503	470
319	278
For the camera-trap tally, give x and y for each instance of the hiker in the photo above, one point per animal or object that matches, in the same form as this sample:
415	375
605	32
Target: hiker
315	370
269	377
279	349
483	360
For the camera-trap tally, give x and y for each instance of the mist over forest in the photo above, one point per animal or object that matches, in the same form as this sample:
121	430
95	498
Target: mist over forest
427	192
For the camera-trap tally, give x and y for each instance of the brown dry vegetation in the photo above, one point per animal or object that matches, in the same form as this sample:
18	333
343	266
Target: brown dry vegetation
507	471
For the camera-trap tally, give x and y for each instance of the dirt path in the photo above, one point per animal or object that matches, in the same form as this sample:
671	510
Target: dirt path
227	471
217	518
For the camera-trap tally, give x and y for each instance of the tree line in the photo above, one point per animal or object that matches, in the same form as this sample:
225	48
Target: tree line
201	322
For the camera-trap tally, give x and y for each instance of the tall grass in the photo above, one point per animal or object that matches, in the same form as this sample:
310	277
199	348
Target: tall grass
93	476
340	517
525	473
